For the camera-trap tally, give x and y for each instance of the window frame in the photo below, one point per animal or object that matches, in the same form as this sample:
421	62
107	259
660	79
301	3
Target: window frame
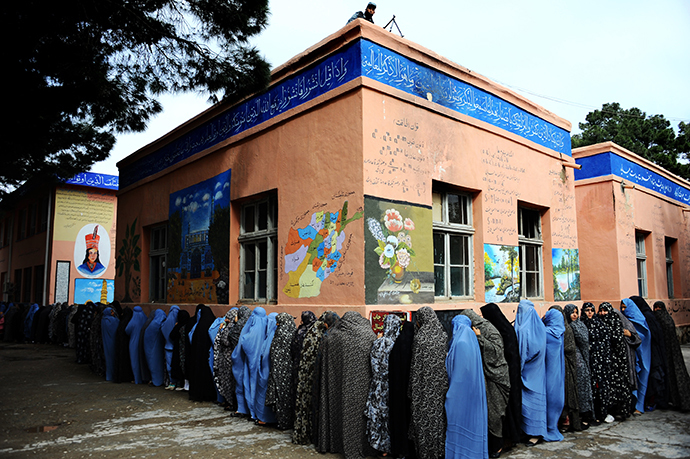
254	237
158	260
641	263
447	230
535	241
668	246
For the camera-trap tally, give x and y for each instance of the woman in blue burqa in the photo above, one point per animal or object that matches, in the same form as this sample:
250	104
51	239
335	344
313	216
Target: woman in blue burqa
246	359
154	348
134	327
166	329
466	406
643	351
555	372
109	324
531	335
264	414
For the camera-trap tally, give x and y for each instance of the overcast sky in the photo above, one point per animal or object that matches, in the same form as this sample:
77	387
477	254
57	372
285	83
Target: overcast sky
569	57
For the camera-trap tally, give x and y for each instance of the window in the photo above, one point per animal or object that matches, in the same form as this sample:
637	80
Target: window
453	231
38	284
158	252
259	250
669	265
530	242
641	264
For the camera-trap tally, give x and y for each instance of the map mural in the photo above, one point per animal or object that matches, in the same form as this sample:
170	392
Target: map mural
314	251
198	245
501	274
566	274
398	253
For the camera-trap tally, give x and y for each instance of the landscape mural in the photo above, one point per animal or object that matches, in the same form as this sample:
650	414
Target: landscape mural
198	243
501	274
566	274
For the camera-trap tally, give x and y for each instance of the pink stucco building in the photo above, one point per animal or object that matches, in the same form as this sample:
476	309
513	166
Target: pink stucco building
633	218
372	174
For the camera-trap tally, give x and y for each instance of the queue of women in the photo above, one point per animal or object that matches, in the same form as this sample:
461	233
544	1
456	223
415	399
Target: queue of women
413	391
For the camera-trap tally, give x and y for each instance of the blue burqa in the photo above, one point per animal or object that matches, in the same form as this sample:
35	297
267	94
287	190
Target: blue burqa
109	323
29	321
466	407
531	335
154	348
212	332
263	412
246	359
166	329
555	372
134	327
643	352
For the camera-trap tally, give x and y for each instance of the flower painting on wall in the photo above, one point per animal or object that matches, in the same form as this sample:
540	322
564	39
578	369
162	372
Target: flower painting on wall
399	248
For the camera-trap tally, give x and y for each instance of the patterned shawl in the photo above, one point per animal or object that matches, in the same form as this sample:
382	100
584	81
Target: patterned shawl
428	385
280	393
222	362
345	380
620	392
599	361
308	319
377	402
584	380
305	381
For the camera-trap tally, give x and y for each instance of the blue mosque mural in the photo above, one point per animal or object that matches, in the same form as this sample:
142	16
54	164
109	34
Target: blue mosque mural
198	230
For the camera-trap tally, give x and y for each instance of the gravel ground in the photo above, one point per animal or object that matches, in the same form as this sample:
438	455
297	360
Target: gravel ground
51	408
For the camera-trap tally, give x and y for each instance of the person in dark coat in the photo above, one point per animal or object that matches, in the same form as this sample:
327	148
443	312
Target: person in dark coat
177	364
512	432
123	364
400	408
657	394
367	14
109	324
678	379
201	385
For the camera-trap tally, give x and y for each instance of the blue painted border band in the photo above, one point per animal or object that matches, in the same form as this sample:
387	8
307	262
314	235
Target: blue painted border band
109	182
609	163
395	70
362	57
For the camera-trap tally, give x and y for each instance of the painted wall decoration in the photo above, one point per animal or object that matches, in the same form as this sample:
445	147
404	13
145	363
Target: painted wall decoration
92	250
96	290
398	253
198	243
315	251
501	274
128	260
566	274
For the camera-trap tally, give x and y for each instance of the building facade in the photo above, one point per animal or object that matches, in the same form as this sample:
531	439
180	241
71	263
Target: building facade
58	241
633	218
372	175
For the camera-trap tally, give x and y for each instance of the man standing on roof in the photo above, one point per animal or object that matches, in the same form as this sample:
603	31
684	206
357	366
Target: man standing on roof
367	14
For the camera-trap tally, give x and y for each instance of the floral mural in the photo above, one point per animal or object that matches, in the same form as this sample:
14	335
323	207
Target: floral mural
399	250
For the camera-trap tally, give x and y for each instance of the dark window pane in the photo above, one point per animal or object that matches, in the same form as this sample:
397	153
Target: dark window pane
249	219
439	249
249	257
454	209
262	284
263	255
248	291
263	216
457	282
439	281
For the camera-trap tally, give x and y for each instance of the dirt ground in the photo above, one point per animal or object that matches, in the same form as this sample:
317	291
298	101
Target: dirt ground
50	407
